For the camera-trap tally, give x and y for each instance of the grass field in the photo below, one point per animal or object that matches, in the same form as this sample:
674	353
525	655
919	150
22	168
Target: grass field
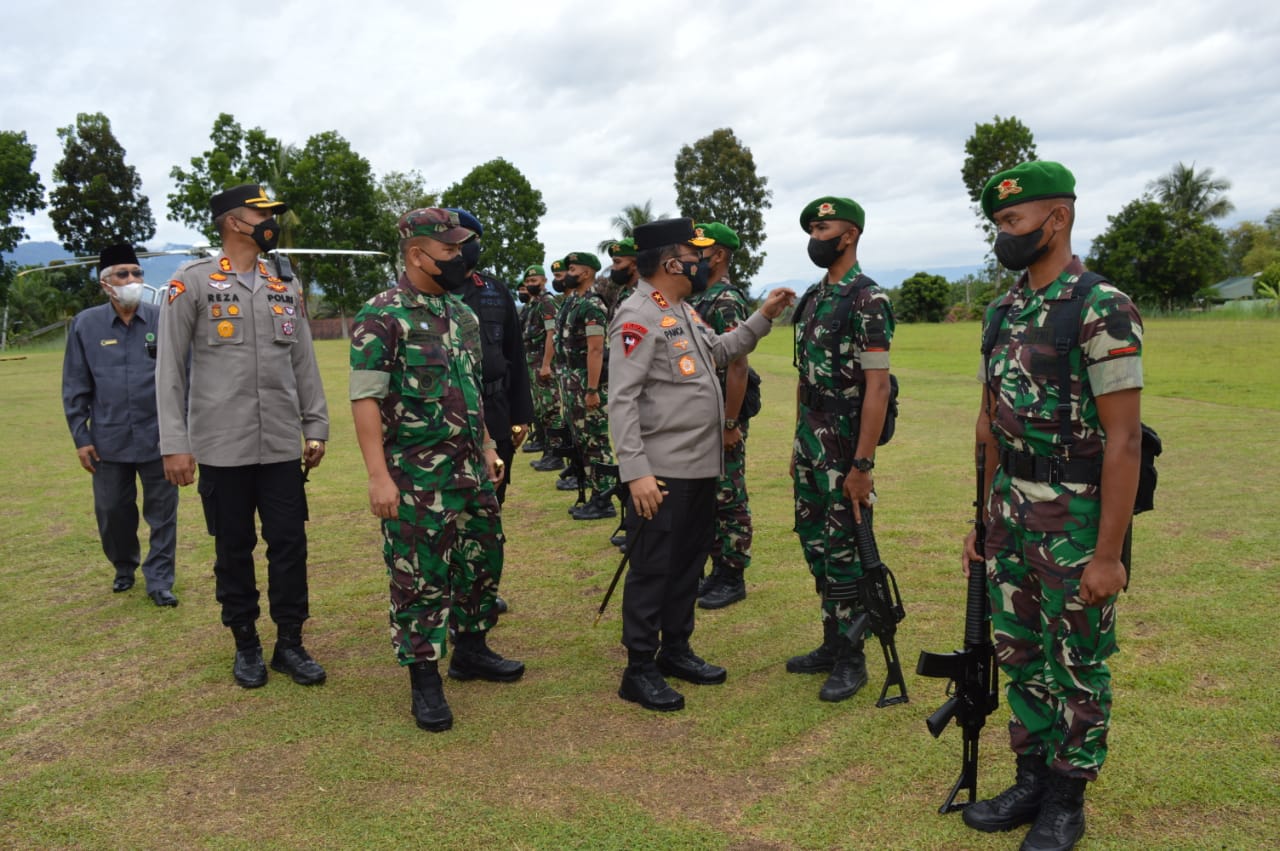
120	725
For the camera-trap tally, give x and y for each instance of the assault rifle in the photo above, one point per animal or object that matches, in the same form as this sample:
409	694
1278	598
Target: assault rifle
972	694
563	446
878	593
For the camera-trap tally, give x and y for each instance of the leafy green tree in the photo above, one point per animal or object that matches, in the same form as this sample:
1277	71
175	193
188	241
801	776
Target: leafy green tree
20	193
237	156
98	199
510	210
1268	284
924	298
716	181
1157	256
330	188
993	148
1197	194
398	192
625	223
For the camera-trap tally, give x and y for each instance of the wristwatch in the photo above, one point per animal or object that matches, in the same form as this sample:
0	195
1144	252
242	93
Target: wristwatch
864	465
730	424
593	390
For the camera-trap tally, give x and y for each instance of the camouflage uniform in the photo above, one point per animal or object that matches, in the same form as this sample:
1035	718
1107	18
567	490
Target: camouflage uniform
723	307
1051	646
419	355
538	320
826	441
583	316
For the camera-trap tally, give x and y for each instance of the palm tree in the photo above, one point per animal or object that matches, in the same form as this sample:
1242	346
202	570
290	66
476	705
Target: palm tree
626	221
1198	194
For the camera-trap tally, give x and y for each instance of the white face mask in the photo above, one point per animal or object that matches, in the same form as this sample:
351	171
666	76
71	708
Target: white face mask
129	295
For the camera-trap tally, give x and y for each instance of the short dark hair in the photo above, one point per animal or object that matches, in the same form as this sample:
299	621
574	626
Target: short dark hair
648	260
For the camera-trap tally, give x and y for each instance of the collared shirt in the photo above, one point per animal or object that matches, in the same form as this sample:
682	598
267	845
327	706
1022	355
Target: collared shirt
254	385
666	413
109	383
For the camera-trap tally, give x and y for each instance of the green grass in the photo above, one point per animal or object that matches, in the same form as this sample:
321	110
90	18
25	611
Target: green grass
120	725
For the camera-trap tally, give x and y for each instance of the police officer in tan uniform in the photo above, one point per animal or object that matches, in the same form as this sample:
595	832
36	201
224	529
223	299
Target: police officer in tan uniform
251	398
667	417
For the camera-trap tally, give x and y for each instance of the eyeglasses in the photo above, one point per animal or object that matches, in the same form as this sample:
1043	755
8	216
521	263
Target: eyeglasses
125	274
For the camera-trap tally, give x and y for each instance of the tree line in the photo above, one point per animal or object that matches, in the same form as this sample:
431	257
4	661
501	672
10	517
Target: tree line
336	201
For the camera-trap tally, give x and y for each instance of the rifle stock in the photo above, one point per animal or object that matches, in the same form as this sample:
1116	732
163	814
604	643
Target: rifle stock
878	593
972	673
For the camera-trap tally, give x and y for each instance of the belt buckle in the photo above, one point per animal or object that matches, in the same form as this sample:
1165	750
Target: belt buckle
1055	470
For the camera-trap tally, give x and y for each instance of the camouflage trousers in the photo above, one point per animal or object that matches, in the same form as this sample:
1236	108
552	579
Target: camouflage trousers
546	399
444	560
590	430
732	550
824	522
1052	648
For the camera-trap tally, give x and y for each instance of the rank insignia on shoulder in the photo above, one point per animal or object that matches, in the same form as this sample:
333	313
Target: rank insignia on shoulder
176	288
224	264
686	365
668	321
262	269
226	328
660	300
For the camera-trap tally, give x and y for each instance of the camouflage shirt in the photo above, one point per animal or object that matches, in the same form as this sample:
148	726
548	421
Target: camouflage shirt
723	307
1024	366
538	318
581	317
419	356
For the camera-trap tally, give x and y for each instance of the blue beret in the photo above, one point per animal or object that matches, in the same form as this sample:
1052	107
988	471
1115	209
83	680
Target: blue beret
467	220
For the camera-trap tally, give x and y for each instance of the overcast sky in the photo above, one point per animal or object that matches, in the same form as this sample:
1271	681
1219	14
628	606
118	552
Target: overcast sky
591	101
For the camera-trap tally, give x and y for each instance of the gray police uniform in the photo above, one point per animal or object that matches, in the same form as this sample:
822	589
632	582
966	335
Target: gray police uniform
109	397
254	393
666	416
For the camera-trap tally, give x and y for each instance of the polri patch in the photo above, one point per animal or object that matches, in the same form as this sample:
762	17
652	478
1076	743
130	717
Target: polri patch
176	288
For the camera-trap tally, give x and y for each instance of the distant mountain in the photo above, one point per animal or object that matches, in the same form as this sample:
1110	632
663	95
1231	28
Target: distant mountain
158	269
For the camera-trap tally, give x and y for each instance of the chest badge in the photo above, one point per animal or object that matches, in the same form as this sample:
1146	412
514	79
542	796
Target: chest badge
277	310
687	365
226	328
233	310
287	328
215	310
669	321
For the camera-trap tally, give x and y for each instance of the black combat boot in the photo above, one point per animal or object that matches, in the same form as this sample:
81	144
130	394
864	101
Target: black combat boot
548	462
709	581
533	444
599	507
291	658
430	709
567	482
642	683
1015	806
730	588
248	669
1061	821
677	659
822	658
473	659
848	675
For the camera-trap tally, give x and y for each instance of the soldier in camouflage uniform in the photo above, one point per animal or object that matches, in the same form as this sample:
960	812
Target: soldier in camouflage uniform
839	418
538	322
416	399
723	307
1060	503
623	274
551	371
581	329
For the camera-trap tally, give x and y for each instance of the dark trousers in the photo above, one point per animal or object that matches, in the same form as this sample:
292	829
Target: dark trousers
231	495
115	503
507	452
668	553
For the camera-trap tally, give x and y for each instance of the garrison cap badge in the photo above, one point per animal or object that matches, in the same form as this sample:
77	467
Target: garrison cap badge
826	208
1008	186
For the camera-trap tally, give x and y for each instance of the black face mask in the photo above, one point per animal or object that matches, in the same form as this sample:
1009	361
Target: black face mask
452	275
266	234
533	292
558	286
524	297
1016	253
699	274
570	282
823	252
621	277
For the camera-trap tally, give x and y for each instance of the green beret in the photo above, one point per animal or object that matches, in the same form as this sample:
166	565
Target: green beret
535	270
557	266
582	258
722	234
1027	182
623	248
835	209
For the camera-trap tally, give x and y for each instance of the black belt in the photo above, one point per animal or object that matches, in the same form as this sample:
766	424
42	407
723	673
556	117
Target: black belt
1050	468
824	404
489	388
